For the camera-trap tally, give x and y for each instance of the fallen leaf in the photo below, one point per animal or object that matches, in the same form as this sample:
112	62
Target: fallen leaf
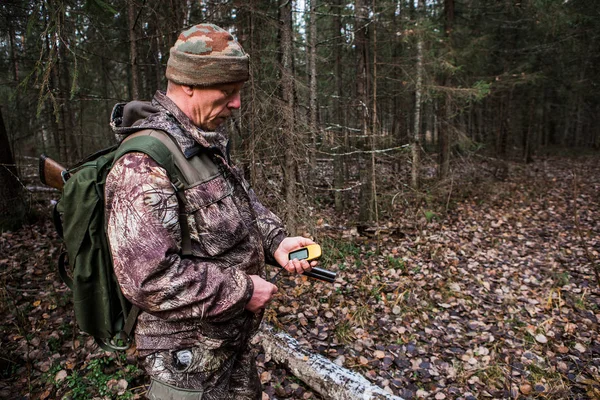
122	387
60	376
525	388
580	348
265	377
46	394
562	349
541	338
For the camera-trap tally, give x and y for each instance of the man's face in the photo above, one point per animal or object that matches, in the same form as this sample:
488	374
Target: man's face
211	106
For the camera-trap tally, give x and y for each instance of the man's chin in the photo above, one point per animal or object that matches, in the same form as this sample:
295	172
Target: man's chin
211	126
217	123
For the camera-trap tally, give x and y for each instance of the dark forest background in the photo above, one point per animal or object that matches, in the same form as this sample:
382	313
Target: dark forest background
444	153
357	105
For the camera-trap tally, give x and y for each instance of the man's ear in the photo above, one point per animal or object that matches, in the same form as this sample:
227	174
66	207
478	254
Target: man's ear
189	90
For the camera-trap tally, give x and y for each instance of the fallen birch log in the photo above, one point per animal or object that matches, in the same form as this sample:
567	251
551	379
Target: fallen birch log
328	379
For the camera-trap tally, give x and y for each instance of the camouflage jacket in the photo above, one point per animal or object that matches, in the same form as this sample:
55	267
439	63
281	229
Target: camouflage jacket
194	298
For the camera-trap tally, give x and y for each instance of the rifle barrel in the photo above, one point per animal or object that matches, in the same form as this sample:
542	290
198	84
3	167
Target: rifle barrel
321	274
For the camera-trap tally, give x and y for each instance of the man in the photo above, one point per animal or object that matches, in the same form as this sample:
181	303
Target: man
198	311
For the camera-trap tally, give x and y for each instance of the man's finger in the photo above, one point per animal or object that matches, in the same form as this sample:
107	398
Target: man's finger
291	265
305	266
307	241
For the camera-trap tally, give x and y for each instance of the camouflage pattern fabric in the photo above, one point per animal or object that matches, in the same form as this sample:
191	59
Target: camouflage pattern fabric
208	39
206	55
226	373
198	302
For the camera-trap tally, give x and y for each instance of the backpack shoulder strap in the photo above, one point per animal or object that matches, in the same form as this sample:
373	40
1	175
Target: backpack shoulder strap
166	153
151	146
187	170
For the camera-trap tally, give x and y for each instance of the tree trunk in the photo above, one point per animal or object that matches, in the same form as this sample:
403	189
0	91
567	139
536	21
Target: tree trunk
444	137
52	87
340	170
398	113
362	108
13	53
566	123
155	70
503	125
133	64
449	17
287	96
17	124
12	201
546	119
249	30
596	130
529	133
596	125
416	138
312	65
321	374
374	131
67	114
578	139
105	140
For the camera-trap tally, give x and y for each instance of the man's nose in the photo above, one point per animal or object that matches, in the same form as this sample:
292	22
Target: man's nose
236	101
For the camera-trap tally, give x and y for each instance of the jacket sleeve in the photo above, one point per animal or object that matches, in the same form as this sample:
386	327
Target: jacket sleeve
270	226
145	238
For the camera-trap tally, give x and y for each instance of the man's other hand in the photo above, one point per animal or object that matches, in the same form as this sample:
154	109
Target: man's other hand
263	292
288	245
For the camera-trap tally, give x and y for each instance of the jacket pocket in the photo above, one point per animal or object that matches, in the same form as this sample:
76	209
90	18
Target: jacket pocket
218	223
202	359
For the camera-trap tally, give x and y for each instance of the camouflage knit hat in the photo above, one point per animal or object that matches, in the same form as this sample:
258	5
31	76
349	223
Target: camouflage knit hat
206	55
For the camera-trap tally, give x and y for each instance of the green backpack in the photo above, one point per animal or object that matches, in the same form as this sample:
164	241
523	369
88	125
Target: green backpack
101	310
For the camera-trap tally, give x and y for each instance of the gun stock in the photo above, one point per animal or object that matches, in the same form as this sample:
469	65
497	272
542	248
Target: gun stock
51	172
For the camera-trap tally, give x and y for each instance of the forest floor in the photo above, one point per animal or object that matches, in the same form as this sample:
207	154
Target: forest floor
493	295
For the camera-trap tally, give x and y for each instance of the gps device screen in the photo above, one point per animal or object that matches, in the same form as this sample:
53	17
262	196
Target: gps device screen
308	253
299	254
